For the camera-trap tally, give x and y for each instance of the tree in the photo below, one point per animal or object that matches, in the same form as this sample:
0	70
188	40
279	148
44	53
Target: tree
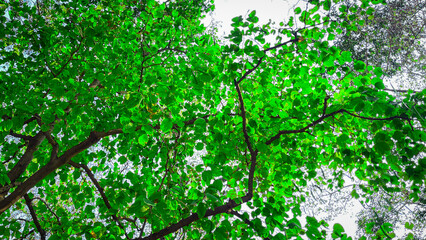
104	102
384	209
392	37
380	213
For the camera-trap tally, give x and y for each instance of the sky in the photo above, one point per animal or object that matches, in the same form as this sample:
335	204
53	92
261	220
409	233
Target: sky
276	10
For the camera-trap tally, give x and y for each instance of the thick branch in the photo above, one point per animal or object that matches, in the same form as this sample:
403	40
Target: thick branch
22	164
51	166
28	201
194	217
253	153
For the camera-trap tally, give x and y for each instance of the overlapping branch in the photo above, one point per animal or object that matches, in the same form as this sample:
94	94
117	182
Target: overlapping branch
261	59
50	209
33	214
51	166
100	190
321	119
192	218
245	220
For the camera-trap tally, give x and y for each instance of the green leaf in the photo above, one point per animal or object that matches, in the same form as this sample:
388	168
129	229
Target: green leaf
143	139
338	229
199	146
409	225
237	19
359	66
379	85
148	202
166	125
298	10
207	176
175	13
201	210
252	13
354	194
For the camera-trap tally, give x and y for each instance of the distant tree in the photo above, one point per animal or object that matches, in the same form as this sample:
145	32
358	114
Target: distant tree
389	210
391	36
104	103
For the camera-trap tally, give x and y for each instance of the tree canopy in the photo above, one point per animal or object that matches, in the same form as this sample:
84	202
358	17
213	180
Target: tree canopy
392	37
127	119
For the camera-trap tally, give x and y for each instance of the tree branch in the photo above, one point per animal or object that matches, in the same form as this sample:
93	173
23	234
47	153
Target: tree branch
261	59
324	117
399	90
248	222
21	136
194	217
52	165
28	201
253	153
22	164
15	153
55	146
325	105
69	59
50	209
100	190
243	115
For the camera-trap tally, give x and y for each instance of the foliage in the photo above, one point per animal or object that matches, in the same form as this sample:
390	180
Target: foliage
390	36
104	104
393	209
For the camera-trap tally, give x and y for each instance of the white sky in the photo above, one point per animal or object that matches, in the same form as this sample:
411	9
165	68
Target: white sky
276	10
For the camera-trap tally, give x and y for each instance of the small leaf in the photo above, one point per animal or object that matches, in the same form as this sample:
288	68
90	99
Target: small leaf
409	225
297	10
212	197
175	13
338	229
166	125
201	210
354	194
253	13
199	146
148	202
360	66
143	139
237	19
